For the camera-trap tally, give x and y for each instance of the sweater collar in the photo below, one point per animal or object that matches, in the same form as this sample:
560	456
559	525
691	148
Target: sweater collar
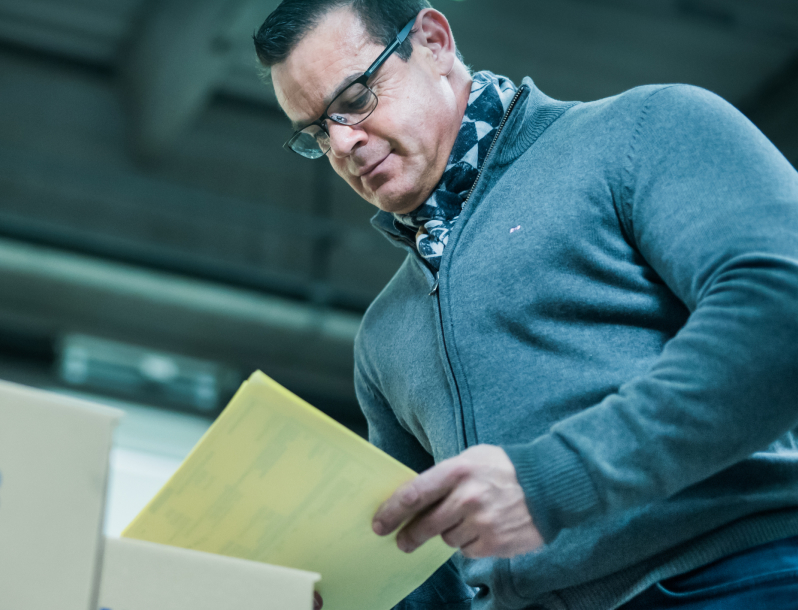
533	113
532	116
431	223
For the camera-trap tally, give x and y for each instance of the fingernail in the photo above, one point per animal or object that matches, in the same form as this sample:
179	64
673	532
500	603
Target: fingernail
378	528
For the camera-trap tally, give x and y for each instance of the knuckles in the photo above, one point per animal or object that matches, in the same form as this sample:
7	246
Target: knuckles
481	499
408	495
472	500
460	469
449	538
424	530
483	523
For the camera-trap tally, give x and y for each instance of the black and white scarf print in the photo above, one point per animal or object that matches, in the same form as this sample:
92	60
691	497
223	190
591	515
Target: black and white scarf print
432	221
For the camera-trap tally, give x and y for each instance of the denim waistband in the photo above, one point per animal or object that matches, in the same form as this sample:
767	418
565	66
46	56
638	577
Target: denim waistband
769	557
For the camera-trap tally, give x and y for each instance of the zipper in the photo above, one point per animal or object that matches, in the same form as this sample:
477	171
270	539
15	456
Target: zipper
434	289
451	368
493	143
436	285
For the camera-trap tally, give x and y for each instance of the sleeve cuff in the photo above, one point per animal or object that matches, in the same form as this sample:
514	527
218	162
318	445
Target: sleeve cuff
558	489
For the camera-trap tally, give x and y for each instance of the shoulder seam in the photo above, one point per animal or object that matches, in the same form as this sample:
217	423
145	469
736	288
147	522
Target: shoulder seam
624	209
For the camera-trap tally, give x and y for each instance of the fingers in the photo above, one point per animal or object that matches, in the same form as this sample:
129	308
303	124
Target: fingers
445	518
460	536
472	500
416	496
318	602
524	541
437	520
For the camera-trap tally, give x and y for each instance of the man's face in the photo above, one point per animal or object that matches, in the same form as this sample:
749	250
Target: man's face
397	155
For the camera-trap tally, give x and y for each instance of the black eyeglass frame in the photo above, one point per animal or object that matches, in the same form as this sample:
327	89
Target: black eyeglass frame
361	80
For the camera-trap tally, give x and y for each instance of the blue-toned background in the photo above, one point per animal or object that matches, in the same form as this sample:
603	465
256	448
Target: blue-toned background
156	242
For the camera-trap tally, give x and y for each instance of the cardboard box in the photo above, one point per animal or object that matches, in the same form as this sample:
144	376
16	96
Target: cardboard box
139	575
53	474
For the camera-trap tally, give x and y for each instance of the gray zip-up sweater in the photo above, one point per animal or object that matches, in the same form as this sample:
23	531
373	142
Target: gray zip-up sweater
617	308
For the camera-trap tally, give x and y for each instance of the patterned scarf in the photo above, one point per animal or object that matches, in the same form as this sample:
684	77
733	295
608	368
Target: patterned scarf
433	220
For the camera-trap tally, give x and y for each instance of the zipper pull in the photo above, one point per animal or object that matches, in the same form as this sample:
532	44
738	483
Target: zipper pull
434	286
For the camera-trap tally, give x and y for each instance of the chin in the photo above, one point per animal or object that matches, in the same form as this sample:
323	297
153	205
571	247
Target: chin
397	207
401	202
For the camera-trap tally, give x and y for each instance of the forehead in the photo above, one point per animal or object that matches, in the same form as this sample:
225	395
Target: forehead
333	52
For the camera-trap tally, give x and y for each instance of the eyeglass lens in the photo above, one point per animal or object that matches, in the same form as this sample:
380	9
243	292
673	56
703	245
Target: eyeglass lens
352	106
312	142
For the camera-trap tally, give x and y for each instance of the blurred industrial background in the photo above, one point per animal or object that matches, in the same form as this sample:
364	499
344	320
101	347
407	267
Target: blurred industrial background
156	242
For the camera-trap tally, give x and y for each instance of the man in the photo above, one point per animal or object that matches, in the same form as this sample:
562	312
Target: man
591	349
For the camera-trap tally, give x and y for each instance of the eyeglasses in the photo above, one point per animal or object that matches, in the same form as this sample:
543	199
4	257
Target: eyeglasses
350	107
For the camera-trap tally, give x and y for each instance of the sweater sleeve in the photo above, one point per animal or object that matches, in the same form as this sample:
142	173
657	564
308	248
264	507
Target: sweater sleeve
445	589
385	431
713	208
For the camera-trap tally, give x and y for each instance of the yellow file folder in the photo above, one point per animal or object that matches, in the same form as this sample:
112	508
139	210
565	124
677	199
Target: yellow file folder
277	481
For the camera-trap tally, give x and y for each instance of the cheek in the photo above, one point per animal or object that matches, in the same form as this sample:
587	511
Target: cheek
416	131
339	165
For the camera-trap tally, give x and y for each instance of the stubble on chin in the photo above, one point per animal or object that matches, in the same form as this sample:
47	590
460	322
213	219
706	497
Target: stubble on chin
399	205
385	197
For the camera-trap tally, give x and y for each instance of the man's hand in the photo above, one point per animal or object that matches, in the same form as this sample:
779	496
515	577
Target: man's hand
472	500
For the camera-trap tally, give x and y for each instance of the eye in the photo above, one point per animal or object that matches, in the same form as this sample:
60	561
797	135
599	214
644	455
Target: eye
352	105
357	103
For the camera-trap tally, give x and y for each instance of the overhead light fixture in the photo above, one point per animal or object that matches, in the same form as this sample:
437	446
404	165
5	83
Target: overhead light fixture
144	374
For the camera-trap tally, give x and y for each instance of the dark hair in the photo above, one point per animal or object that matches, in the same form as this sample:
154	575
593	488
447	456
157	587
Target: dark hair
293	19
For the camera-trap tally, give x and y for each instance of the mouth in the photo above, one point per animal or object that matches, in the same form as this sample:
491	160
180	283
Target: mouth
368	169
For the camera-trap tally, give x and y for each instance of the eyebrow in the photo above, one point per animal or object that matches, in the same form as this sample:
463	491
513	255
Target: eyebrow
328	100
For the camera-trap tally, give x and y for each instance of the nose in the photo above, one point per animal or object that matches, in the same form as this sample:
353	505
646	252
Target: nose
344	138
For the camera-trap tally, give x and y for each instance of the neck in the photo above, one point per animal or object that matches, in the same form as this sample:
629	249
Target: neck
460	81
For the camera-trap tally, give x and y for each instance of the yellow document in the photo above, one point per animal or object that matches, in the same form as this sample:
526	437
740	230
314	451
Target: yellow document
277	481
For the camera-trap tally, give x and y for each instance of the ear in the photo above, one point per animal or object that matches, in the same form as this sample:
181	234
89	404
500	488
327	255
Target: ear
432	33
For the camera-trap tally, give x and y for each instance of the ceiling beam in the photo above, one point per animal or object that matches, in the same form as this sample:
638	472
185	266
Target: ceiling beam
182	52
772	21
307	348
148	221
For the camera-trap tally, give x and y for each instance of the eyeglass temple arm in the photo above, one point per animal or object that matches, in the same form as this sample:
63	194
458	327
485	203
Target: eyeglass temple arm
400	38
